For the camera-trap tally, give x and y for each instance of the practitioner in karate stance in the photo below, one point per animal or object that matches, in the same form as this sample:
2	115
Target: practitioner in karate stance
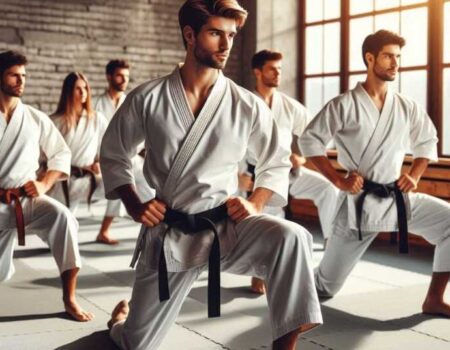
373	127
199	125
292	118
82	129
24	206
118	76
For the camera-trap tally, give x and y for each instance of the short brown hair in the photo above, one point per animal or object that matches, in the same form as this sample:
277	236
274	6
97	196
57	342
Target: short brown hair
195	13
376	41
260	58
11	58
115	64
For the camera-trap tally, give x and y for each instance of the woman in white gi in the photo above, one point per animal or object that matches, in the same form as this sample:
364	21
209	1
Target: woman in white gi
373	127
199	125
82	129
24	206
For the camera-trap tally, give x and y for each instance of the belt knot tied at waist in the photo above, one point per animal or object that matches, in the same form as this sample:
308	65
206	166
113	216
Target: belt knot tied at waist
191	224
78	173
385	191
12	195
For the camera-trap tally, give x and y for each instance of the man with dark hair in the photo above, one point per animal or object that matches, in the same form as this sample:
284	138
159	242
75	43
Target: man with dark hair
118	76
199	125
292	118
24	207
373	127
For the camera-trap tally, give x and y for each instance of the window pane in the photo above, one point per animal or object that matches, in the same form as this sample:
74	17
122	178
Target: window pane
332	9
332	56
447	32
446	121
413	84
359	29
330	88
360	6
313	95
314	10
354	79
314	49
414	28
386	4
388	21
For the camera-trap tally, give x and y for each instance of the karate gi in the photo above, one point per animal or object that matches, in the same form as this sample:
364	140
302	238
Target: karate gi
28	132
292	118
192	163
375	144
105	106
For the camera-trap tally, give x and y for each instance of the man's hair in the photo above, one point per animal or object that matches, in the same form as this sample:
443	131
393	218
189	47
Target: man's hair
11	58
375	42
260	58
115	64
195	13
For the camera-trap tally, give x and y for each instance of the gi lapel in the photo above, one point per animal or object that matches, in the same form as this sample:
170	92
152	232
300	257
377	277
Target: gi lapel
197	127
12	131
379	133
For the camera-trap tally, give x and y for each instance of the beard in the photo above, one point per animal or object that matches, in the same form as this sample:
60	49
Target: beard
272	83
118	87
207	59
10	91
382	74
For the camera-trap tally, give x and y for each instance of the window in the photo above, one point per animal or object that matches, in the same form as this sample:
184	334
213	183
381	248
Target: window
334	30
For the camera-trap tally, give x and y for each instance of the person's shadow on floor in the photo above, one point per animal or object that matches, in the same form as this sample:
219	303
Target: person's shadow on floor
96	340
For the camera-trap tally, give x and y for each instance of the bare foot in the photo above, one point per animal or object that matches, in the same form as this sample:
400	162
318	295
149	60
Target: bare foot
119	313
76	312
439	308
105	239
258	286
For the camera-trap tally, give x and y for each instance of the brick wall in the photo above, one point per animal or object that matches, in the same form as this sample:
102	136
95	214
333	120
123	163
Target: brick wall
60	36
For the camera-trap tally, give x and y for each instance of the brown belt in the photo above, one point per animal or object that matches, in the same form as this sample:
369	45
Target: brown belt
78	172
12	195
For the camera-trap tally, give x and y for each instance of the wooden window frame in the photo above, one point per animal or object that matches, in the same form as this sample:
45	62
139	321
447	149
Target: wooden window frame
434	67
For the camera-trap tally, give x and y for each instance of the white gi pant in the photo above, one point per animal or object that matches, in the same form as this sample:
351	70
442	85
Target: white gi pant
48	219
270	248
430	218
309	184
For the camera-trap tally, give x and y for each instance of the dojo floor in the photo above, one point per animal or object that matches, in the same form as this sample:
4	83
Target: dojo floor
378	308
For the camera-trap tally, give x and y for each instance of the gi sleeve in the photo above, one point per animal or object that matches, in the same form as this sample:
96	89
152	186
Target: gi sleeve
320	131
271	155
54	147
423	137
119	144
302	117
102	125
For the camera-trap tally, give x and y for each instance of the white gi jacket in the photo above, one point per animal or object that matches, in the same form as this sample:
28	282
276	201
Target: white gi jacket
192	162
372	143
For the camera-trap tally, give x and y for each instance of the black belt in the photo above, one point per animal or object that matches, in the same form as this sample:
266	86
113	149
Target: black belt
12	195
192	224
385	191
78	172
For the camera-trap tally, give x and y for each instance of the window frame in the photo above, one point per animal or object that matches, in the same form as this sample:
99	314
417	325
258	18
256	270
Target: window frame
435	58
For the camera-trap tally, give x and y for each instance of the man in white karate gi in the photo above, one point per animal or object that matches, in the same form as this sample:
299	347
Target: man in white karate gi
373	128
24	207
292	118
118	77
199	125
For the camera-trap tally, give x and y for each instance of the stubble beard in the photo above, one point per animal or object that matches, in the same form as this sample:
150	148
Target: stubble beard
9	91
207	59
382	75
